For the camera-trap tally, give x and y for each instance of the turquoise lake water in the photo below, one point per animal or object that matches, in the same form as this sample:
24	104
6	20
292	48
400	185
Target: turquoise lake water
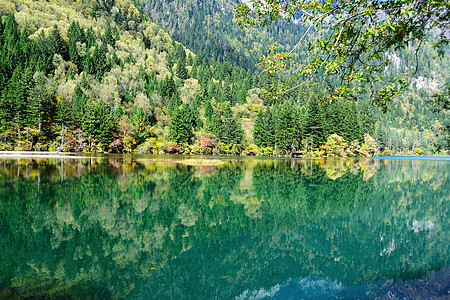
151	227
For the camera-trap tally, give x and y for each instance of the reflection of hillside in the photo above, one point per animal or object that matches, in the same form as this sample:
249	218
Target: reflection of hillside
130	227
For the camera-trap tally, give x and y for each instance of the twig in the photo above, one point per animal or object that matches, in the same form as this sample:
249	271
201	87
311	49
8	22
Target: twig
298	44
417	58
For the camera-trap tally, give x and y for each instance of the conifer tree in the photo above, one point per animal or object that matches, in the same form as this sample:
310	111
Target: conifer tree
284	126
209	111
197	101
97	122
366	120
334	117
299	126
182	123
8	100
64	113
314	130
215	124
264	129
79	101
168	87
269	129
174	103
56	44
76	35
26	86
181	71
111	34
258	129
90	37
40	105
232	129
101	63
228	94
350	125
10	51
178	128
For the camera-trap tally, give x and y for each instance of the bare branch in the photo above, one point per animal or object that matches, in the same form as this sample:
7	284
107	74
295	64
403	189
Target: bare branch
298	44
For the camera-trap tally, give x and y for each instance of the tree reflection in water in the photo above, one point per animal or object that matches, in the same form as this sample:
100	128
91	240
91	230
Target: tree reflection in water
139	227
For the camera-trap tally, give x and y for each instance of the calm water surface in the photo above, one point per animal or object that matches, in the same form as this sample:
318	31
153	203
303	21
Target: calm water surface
140	227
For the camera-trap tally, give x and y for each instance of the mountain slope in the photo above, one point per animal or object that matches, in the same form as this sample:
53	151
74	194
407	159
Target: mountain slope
100	76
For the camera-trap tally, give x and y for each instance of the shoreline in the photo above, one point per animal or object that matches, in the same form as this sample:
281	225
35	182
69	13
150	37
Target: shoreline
70	155
31	154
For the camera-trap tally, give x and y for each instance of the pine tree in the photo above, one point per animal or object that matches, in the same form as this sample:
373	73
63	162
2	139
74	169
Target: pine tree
56	44
215	125
88	63
64	113
76	35
314	125
90	38
13	97
182	123
350	124
232	129
79	101
10	52
174	103
40	106
299	120
228	94
168	87
264	129
181	71
197	101
97	64
208	110
334	118
366	120
284	126
269	129
27	85
74	56
111	34
97	122
192	116
259	130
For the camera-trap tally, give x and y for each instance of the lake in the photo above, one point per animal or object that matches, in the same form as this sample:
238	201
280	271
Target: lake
165	227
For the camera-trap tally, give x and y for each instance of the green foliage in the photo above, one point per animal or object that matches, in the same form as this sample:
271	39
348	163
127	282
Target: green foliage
181	71
174	102
314	124
182	124
232	131
354	52
335	146
97	123
119	65
168	87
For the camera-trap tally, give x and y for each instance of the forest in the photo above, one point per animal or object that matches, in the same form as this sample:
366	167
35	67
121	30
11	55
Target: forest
103	76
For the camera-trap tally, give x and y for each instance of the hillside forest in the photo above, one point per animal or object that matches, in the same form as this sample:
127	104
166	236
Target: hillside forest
116	76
